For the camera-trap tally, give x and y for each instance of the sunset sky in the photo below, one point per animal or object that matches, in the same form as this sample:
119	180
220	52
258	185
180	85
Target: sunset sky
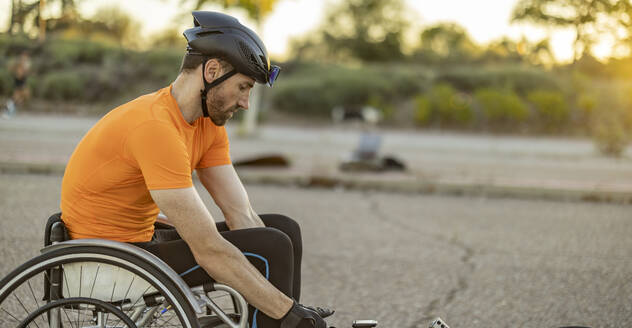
485	20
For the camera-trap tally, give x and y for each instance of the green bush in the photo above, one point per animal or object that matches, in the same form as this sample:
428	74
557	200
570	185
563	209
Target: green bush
315	90
443	105
501	106
62	85
62	53
423	110
518	78
160	65
12	45
586	104
551	107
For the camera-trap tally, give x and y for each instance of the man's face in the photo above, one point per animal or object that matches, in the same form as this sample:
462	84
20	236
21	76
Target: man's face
228	97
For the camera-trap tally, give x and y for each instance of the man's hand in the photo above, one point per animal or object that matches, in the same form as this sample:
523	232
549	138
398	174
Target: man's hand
223	183
301	316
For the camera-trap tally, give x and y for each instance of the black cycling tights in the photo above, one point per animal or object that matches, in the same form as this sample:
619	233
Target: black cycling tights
274	250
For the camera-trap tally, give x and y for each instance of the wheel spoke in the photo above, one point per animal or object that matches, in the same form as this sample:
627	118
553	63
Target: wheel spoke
95	280
32	293
28	282
80	277
11	315
127	291
67	317
24	307
112	296
66	280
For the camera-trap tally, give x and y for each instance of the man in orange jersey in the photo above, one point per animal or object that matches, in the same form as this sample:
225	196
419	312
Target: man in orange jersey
138	160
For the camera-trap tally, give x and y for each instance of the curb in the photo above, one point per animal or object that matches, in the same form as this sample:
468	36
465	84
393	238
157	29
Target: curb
396	182
457	187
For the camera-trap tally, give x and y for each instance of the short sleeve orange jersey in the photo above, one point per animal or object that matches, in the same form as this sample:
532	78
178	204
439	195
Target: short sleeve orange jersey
142	145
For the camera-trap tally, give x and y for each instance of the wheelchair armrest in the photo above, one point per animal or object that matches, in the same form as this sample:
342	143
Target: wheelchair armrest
140	254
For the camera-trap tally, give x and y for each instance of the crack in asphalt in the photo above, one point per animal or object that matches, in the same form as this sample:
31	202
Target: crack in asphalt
462	279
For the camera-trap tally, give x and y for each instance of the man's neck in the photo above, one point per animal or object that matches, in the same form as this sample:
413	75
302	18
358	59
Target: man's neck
187	97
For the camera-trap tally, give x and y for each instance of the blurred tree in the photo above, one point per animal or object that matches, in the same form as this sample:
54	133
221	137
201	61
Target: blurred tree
622	13
446	43
170	37
256	9
110	22
21	15
365	30
539	53
26	16
584	16
507	50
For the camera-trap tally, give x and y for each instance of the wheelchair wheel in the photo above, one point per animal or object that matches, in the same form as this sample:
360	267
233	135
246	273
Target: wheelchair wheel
79	312
140	292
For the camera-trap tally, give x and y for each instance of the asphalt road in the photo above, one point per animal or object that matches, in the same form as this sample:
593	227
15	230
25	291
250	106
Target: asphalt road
403	259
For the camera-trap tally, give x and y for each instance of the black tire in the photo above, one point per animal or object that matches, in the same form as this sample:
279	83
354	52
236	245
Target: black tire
75	303
32	273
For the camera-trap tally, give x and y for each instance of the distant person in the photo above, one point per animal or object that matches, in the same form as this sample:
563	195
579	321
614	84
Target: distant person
138	160
19	70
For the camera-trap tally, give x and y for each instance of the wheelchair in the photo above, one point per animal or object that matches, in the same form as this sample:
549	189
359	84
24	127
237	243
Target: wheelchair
94	283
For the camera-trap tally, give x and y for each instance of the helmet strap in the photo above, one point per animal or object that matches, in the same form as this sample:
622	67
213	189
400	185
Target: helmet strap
208	86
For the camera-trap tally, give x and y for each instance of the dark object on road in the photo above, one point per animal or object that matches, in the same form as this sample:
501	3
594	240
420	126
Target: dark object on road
366	156
378	164
263	161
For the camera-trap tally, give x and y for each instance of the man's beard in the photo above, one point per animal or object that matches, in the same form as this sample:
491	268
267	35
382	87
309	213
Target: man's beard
215	106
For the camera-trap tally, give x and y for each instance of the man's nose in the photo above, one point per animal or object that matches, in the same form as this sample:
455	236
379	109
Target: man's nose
244	102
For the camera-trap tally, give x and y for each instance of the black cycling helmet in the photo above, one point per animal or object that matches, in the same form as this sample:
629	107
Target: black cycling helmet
217	34
221	35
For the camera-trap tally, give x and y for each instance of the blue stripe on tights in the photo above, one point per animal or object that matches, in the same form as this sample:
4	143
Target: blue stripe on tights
189	271
265	261
254	315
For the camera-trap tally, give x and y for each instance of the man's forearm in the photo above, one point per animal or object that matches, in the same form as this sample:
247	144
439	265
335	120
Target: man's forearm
221	259
237	272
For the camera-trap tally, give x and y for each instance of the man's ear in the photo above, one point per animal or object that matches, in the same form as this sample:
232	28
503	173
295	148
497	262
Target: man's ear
212	69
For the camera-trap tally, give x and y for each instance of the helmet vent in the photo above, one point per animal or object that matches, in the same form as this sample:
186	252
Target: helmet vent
245	50
247	53
205	33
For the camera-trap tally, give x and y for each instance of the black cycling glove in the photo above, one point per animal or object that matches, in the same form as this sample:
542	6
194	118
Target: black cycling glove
301	316
322	312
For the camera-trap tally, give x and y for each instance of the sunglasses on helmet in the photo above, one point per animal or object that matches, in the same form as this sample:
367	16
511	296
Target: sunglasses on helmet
273	74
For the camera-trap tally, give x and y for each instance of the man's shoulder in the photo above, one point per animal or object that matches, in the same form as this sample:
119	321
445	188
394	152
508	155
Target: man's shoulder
146	108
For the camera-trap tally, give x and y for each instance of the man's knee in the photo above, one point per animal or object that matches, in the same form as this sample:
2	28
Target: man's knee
266	239
281	222
277	238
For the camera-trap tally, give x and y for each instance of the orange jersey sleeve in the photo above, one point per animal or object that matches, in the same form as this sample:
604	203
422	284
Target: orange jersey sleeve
218	153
